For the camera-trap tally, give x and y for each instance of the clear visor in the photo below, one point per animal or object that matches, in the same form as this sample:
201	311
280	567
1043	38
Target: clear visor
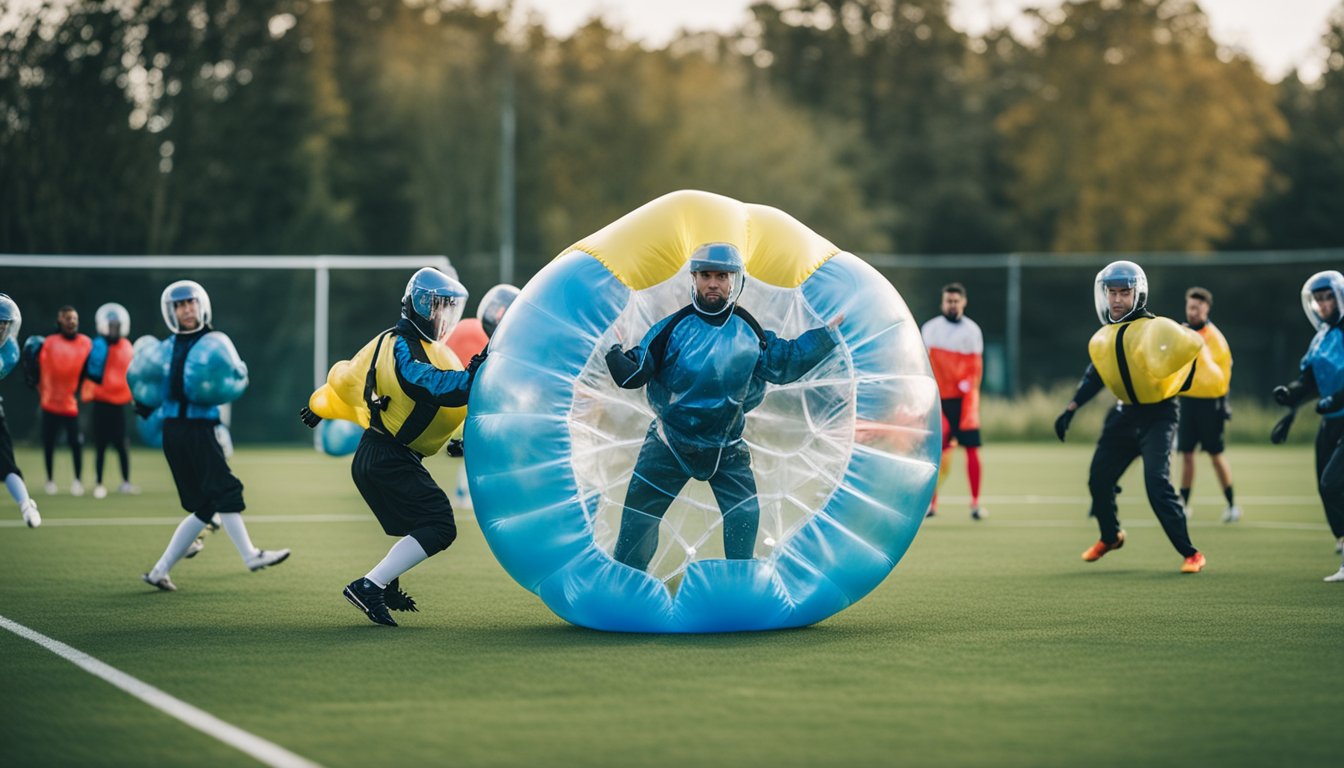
1323	305
717	292
10	320
1116	297
186	315
444	313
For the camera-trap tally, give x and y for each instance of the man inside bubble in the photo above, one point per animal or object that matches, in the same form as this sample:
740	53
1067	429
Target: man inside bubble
704	368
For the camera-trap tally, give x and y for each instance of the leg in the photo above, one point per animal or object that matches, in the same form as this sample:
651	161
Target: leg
1155	440
970	440
1187	475
944	461
734	488
1116	450
50	425
657	479
1330	460
76	442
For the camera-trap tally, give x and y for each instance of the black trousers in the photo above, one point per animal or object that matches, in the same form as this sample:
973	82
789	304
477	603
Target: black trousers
1128	433
109	429
395	484
205	484
1330	472
7	465
52	425
660	475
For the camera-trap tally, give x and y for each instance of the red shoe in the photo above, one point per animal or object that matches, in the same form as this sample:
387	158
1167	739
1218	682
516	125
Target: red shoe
1194	563
1095	551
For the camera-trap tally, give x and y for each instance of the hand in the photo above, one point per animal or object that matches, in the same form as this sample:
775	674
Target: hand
836	321
477	360
454	448
1281	395
1330	403
616	348
1225	408
309	419
1062	423
141	410
1280	431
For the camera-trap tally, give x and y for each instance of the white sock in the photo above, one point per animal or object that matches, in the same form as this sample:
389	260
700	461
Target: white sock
186	532
402	557
16	487
237	530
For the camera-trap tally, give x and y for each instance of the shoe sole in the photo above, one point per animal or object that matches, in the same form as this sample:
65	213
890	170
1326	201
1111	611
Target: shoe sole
282	559
193	551
355	601
1118	544
157	585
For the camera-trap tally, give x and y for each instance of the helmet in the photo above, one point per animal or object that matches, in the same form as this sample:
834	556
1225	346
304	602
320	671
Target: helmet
1121	274
110	313
718	257
185	290
10	319
433	302
493	305
1329	280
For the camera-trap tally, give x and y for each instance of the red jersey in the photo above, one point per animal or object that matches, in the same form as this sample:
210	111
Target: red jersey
957	355
61	361
114	389
467	340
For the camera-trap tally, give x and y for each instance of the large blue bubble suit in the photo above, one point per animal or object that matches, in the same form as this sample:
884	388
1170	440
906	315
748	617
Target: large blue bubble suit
845	458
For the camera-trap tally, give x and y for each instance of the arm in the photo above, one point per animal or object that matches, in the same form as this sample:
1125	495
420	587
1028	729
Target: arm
630	369
96	363
783	361
425	383
1297	391
1088	388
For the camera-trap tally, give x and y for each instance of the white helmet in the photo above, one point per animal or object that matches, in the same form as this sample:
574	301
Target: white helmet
110	313
1329	280
1121	274
10	319
185	291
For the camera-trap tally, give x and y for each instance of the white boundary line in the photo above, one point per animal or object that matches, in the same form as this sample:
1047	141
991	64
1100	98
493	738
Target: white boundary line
256	747
96	522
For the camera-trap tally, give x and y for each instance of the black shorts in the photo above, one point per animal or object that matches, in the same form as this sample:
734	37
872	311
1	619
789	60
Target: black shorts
1201	423
966	438
205	484
7	465
397	487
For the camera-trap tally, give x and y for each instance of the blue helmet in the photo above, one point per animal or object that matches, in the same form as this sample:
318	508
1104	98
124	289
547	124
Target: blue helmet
433	302
10	319
1329	280
1121	274
182	291
718	257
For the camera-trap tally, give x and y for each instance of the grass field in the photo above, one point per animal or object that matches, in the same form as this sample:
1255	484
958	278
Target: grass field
990	644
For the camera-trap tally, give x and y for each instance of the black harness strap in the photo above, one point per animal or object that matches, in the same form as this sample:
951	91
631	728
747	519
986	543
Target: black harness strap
658	346
422	415
1123	364
1190	380
376	404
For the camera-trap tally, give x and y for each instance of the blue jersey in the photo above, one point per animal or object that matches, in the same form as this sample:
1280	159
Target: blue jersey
1325	360
703	373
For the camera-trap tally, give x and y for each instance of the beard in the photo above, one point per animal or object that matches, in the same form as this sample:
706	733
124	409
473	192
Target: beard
954	317
710	303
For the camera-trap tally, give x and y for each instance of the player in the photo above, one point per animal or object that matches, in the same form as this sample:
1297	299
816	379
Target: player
957	354
11	320
107	389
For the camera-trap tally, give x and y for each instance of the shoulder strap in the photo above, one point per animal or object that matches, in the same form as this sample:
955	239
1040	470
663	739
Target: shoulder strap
376	404
1123	365
751	322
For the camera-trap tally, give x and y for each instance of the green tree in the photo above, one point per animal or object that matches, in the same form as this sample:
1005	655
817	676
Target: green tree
1138	133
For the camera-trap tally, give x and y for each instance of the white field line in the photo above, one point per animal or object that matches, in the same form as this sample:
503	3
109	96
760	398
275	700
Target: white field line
73	522
1199	501
255	747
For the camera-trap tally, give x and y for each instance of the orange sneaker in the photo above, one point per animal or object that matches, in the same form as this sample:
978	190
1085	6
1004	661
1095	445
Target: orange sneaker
1194	563
1095	551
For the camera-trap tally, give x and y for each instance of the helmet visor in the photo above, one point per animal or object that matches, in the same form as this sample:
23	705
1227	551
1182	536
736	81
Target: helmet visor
10	319
443	312
1323	298
186	307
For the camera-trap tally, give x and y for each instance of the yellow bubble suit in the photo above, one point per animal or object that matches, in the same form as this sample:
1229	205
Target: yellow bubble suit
1213	371
342	397
1150	363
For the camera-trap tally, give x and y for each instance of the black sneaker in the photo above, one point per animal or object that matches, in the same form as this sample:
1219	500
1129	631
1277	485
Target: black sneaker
368	597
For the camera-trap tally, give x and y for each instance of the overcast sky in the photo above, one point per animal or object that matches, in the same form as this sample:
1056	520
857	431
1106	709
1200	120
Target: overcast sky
1279	34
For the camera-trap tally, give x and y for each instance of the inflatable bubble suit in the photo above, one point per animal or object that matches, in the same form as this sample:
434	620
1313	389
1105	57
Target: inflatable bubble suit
845	458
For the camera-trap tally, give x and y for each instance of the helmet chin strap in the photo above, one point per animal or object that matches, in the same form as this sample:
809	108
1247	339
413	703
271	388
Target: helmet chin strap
728	303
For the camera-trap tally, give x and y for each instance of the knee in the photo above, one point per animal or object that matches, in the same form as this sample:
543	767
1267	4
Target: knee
436	538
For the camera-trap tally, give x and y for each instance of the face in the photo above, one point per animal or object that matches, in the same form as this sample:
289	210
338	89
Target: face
954	305
1327	305
68	322
712	289
188	313
1196	311
1120	300
4	330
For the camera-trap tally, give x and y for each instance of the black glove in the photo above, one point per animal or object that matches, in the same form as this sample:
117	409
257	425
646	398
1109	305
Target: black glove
1062	423
454	448
1291	394
141	410
477	360
1330	403
1280	431
1225	408
309	419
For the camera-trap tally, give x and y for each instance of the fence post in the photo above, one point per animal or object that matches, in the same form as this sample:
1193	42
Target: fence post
1013	324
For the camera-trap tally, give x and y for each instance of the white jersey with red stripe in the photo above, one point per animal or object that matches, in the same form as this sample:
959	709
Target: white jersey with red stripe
957	355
